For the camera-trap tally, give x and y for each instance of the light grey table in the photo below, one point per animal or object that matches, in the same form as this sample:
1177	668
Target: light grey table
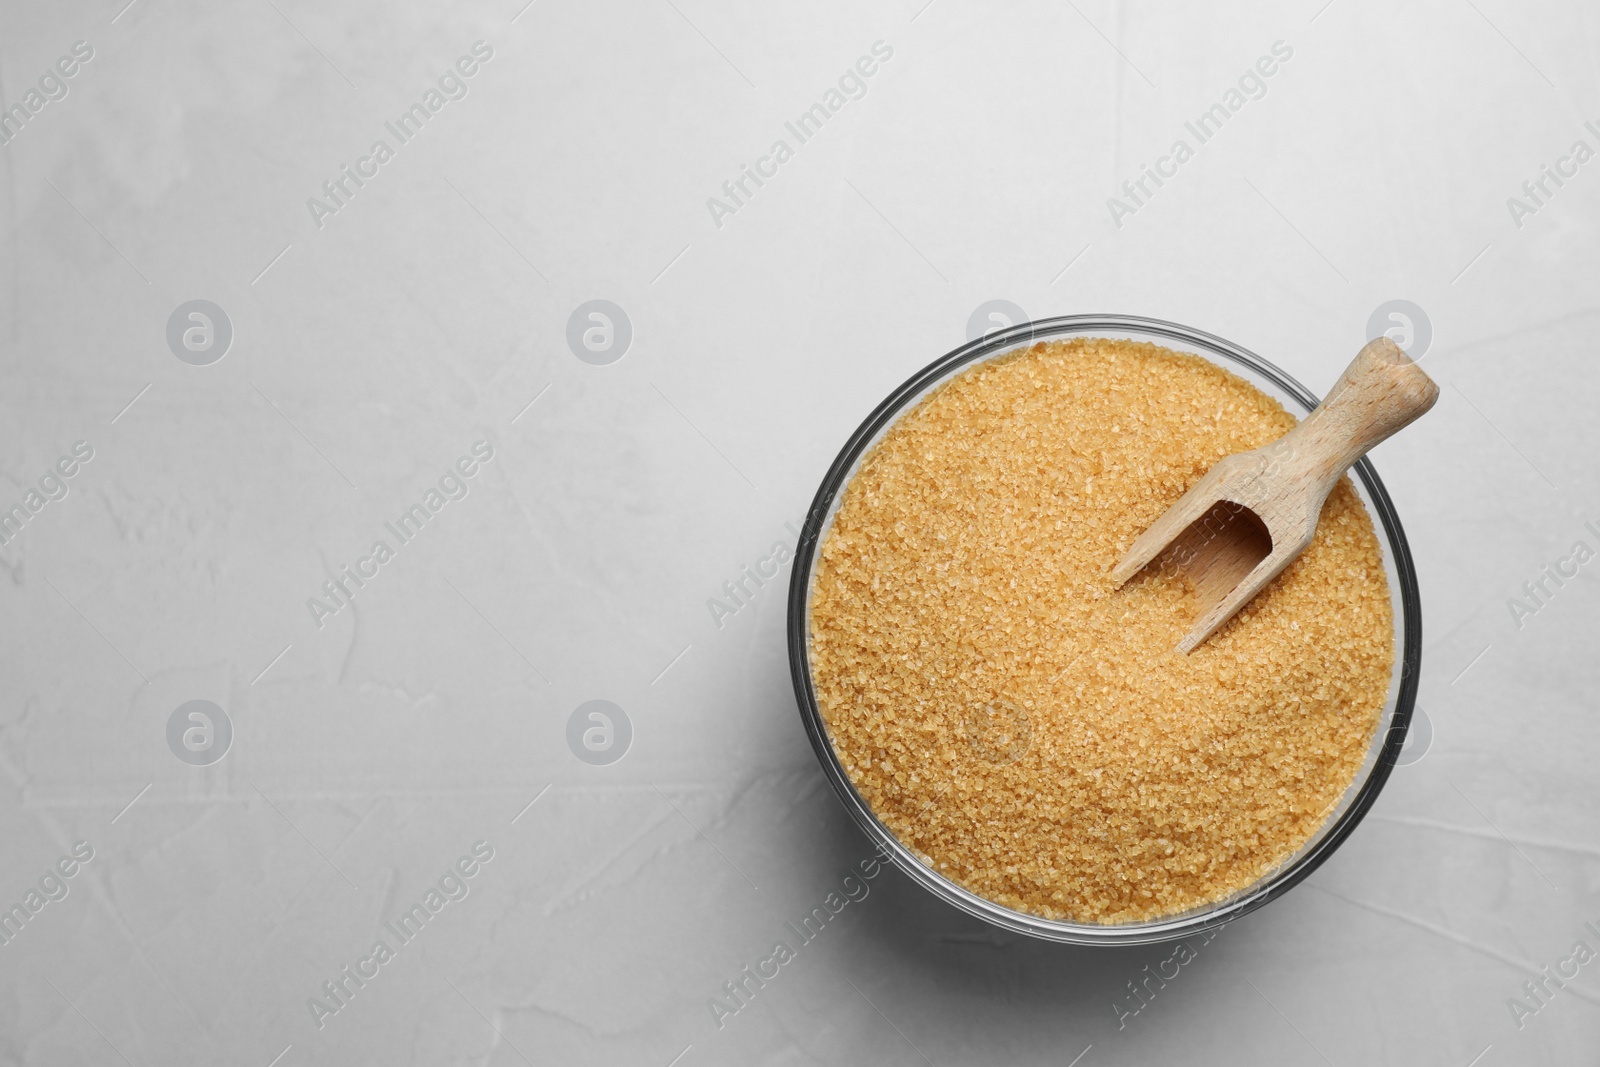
379	313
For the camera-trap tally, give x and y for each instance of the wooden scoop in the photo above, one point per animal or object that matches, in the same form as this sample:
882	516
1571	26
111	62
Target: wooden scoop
1255	512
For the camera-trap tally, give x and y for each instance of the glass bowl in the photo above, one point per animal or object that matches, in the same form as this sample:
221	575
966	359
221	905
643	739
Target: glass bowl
1387	739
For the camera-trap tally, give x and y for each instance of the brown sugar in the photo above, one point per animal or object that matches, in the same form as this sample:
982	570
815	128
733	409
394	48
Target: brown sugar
1025	726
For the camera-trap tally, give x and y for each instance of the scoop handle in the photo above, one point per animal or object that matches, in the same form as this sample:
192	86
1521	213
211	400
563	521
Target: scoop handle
1381	392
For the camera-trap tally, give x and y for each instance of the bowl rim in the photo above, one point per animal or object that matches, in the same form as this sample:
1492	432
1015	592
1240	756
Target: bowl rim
1272	885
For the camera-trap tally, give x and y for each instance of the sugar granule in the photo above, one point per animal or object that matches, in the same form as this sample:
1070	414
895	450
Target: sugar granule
1027	727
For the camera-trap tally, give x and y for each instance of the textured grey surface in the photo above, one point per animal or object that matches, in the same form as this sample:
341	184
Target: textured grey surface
369	353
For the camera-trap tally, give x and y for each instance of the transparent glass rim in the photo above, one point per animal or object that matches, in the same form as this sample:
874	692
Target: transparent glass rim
1388	738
